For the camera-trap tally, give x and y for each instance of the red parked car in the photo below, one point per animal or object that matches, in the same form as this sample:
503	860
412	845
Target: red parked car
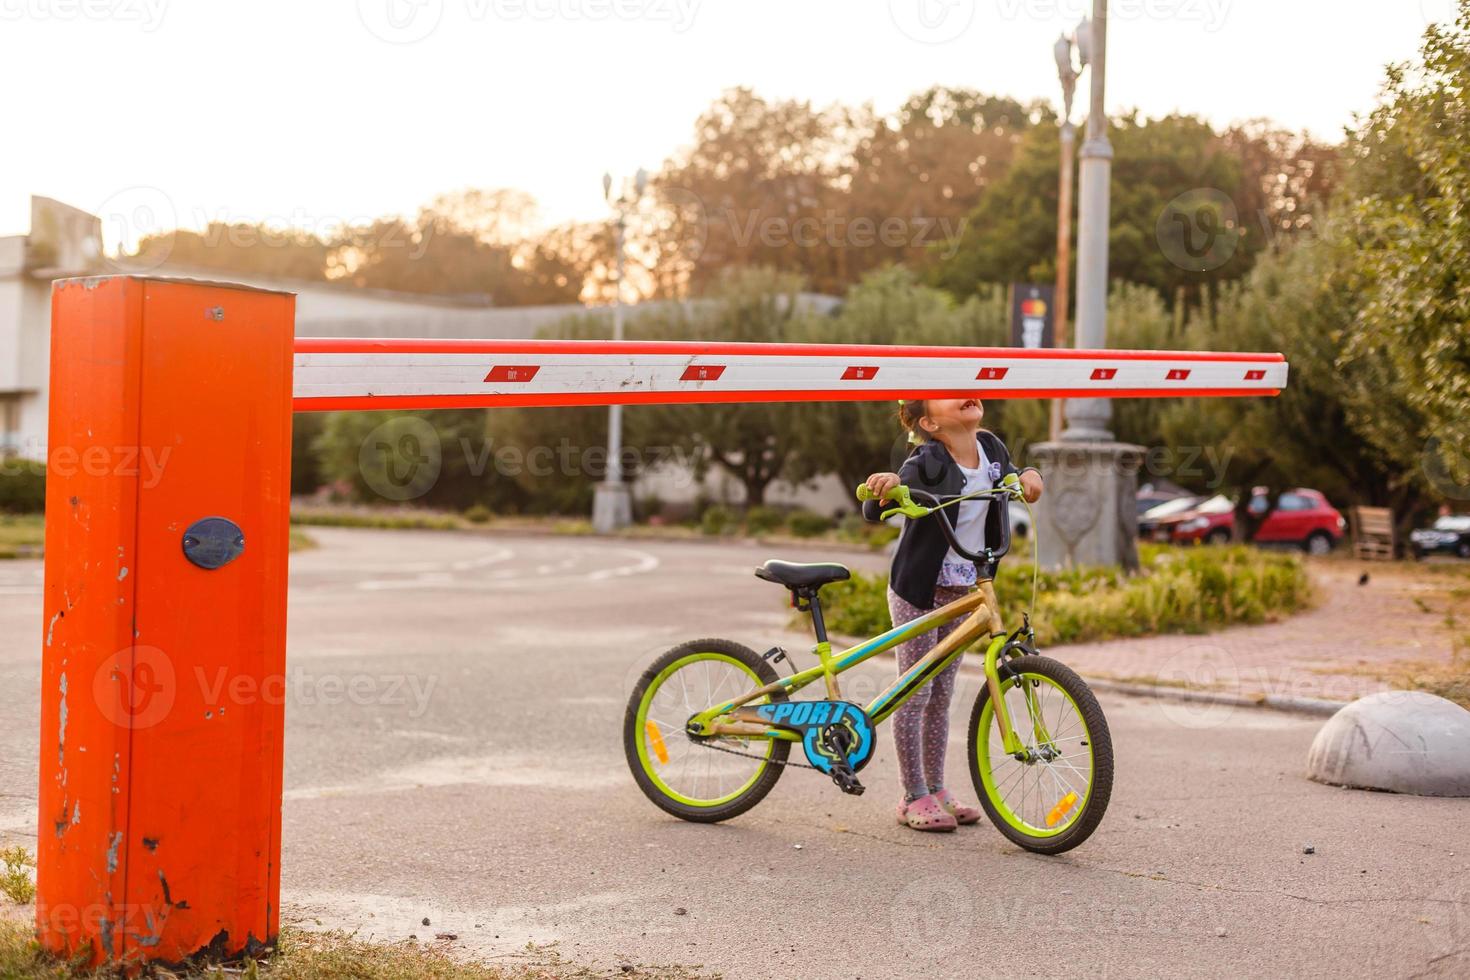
1301	517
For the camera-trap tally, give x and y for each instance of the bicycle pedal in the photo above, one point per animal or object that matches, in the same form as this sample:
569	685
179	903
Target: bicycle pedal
847	781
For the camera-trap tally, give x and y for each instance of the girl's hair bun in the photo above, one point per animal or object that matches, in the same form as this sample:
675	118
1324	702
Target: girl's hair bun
909	413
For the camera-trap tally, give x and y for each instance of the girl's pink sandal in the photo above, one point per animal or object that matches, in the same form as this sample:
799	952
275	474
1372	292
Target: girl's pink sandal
926	813
962	814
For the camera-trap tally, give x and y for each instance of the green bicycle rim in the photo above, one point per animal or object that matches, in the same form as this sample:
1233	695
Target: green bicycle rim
987	777
641	733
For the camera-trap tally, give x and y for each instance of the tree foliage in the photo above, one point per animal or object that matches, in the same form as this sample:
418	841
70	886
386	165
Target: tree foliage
1407	345
472	244
1266	185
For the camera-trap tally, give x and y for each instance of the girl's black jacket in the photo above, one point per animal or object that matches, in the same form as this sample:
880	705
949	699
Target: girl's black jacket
921	544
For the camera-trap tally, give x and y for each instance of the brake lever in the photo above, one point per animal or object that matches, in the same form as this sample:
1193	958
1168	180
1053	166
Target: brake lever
900	494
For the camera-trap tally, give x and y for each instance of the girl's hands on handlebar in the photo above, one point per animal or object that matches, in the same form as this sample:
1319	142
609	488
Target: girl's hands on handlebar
879	484
1031	486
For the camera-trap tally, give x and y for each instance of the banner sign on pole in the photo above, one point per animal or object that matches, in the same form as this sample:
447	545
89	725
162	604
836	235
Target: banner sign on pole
1033	323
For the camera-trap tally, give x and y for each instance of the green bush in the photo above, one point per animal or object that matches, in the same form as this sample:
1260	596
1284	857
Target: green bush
22	486
1183	590
805	524
478	514
717	519
15	876
856	530
396	520
763	520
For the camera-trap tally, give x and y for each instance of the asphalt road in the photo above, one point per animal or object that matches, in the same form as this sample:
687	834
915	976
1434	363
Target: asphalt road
454	752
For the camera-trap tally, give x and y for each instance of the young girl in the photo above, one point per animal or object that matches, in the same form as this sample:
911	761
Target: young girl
953	456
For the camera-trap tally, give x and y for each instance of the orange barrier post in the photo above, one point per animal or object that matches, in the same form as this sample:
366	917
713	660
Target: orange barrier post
163	664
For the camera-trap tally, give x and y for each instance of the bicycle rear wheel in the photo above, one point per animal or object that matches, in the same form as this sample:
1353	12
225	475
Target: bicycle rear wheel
1053	797
689	777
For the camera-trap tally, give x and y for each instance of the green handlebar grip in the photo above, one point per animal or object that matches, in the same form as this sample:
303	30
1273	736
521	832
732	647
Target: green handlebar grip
900	495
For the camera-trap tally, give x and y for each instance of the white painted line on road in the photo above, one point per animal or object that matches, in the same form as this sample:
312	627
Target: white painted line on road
645	563
436	574
425	580
484	561
498	771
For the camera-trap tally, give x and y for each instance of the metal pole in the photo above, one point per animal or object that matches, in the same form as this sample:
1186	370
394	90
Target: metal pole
1088	418
615	412
612	504
1064	257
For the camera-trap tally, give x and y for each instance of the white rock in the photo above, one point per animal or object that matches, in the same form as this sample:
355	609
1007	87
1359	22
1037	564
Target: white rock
1401	741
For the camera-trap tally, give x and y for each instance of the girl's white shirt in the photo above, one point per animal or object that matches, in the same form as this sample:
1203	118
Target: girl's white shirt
969	528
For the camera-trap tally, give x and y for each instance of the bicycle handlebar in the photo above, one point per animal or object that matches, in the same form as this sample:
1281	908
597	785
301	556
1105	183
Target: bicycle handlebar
911	504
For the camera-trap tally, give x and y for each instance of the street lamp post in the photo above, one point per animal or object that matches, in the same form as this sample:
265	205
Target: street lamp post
1067	73
612	505
1088	418
1088	515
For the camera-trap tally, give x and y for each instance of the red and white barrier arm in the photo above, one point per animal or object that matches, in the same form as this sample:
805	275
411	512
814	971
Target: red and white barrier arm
337	374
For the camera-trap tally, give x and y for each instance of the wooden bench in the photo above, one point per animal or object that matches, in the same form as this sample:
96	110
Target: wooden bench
1373	537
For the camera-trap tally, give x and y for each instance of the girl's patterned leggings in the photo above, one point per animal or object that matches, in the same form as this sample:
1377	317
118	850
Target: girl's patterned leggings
921	726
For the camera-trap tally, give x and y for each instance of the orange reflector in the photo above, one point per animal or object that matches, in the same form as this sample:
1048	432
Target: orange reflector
657	741
1063	807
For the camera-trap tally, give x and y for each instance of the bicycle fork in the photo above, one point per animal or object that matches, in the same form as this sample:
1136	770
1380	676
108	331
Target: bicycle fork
1010	741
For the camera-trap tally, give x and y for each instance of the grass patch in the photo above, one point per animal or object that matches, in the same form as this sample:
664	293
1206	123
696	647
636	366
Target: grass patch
21	535
1450	681
409	520
1181	590
302	955
15	875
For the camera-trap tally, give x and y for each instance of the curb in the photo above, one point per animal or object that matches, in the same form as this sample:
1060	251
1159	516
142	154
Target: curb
1320	707
1310	706
546	532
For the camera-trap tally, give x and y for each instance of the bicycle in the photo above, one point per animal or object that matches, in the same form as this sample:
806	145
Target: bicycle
1045	784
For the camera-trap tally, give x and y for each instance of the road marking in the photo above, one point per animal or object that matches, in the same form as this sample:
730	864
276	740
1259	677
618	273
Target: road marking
435	574
645	563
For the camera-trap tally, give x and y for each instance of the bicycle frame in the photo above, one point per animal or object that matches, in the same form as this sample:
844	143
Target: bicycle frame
983	617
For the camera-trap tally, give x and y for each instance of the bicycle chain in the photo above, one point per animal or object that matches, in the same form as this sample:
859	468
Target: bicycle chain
709	744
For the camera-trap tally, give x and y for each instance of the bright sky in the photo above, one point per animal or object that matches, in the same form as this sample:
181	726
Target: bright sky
316	111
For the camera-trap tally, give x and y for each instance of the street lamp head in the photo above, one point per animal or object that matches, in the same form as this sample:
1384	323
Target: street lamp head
1063	51
1083	33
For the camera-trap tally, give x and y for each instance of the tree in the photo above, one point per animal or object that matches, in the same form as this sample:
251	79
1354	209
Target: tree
853	439
1408	344
435	458
473	243
1297	300
830	194
755	442
285	253
759	187
1176	186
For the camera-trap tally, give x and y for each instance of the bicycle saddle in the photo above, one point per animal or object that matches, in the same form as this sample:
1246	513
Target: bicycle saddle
795	575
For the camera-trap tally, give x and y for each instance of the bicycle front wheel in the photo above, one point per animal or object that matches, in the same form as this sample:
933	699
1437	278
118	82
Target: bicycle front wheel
1050	796
691	778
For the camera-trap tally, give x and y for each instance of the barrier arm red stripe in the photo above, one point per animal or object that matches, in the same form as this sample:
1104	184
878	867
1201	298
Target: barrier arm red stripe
335	374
